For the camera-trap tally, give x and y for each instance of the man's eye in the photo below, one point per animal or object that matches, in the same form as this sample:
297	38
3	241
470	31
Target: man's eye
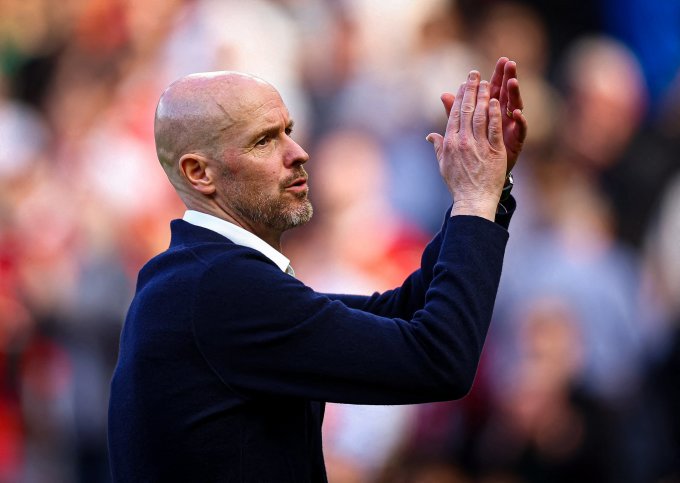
289	131
263	141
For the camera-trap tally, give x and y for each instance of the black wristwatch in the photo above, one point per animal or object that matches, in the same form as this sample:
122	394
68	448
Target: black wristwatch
507	187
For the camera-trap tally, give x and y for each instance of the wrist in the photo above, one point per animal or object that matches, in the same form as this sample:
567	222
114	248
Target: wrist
483	208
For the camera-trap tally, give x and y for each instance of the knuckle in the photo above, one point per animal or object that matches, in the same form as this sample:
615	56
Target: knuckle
467	108
464	142
449	145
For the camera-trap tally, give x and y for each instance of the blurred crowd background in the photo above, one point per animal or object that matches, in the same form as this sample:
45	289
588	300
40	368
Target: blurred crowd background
580	378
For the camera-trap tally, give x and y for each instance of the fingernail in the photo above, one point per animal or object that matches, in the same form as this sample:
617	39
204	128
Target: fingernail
428	138
473	75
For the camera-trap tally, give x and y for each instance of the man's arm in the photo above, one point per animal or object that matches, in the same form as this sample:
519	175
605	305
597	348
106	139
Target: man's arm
405	300
265	333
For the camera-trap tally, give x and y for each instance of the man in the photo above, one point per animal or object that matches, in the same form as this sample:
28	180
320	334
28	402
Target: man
226	358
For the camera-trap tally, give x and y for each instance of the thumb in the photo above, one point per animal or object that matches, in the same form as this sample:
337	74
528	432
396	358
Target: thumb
436	140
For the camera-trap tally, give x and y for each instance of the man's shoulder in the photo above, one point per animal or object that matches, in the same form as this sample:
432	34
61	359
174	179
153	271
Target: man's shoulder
172	281
193	266
198	249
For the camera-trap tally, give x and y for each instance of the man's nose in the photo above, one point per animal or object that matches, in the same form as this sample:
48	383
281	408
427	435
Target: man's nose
296	155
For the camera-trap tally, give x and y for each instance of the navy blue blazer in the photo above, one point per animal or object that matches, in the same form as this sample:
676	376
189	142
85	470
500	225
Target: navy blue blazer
225	361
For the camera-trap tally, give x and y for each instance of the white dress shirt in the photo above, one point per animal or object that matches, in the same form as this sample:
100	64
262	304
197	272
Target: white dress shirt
239	236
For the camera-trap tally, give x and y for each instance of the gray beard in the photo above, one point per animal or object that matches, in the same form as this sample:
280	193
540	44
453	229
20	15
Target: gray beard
276	214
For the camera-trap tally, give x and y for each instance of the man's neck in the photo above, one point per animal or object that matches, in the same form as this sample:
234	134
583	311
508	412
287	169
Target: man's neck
271	237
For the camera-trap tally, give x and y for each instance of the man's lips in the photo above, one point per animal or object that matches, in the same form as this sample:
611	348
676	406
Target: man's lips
298	184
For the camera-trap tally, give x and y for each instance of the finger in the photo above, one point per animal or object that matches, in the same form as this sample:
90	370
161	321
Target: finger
509	72
497	78
480	119
437	141
453	124
467	107
514	95
521	125
447	99
495	133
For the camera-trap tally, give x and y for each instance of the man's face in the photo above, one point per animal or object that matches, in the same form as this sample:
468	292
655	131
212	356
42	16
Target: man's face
261	178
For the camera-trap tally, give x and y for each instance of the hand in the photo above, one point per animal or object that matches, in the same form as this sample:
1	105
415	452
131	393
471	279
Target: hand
504	87
472	156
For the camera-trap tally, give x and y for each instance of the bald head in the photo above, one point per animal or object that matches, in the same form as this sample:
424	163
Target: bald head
196	112
224	140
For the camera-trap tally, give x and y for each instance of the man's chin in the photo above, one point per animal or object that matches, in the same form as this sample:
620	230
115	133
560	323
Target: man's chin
300	195
300	215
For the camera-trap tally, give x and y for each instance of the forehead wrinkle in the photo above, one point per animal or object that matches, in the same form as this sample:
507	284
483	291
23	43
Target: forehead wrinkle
243	107
275	112
262	117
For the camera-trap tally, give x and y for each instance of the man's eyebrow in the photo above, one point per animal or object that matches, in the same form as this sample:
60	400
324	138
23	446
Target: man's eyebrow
272	128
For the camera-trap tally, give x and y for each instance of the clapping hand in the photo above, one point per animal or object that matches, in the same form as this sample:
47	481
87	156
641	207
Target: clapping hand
504	86
472	155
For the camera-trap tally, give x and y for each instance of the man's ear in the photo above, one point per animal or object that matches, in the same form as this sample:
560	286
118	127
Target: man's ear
194	168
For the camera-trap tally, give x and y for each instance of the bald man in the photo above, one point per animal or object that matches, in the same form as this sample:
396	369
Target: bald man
226	359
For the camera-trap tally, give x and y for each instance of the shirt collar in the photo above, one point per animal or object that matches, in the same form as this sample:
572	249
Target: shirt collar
236	234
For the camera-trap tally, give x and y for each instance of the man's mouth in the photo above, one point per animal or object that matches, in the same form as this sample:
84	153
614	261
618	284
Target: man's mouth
298	184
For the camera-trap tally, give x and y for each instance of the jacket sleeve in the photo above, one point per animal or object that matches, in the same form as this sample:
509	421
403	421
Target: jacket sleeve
265	333
404	301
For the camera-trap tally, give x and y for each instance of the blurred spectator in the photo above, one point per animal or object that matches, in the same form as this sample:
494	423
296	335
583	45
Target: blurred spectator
597	137
571	246
663	264
565	21
18	123
645	169
544	427
15	325
657	48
